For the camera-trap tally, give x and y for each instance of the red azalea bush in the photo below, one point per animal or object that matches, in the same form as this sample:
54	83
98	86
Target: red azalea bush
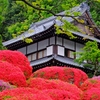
92	94
17	59
43	84
90	83
23	94
49	83
10	73
57	94
79	76
30	97
71	75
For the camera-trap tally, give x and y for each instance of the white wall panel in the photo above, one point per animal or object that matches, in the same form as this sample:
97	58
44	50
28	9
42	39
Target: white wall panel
32	48
60	50
49	50
42	44
69	44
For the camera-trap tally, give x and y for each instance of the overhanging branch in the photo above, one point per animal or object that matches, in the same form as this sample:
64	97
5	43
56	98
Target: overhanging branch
46	10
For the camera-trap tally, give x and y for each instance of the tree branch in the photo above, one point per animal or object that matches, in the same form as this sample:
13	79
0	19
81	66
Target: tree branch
49	11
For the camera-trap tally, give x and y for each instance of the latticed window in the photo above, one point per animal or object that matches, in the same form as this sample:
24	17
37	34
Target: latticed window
41	54
34	56
37	55
69	53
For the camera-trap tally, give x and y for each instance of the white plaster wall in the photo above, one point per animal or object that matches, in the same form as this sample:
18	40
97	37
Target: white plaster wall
60	50
49	50
32	48
69	44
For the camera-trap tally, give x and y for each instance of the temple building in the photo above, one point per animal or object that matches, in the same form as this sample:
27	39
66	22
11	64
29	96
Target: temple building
50	49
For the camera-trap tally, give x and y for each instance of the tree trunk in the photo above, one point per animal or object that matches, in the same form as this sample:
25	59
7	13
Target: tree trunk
94	74
95	69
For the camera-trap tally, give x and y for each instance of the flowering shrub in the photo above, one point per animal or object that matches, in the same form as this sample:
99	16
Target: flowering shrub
43	84
57	94
17	59
71	75
23	94
53	81
90	83
12	74
30	97
96	77
92	94
79	76
4	85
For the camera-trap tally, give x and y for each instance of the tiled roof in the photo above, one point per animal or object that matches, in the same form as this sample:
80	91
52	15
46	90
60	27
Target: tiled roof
61	59
46	24
41	61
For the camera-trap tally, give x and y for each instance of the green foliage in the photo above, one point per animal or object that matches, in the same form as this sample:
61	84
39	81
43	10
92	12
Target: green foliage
91	67
66	28
95	11
1	45
91	54
3	8
88	66
16	16
28	40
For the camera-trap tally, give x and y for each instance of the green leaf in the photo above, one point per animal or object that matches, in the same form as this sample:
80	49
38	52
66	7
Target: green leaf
28	40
